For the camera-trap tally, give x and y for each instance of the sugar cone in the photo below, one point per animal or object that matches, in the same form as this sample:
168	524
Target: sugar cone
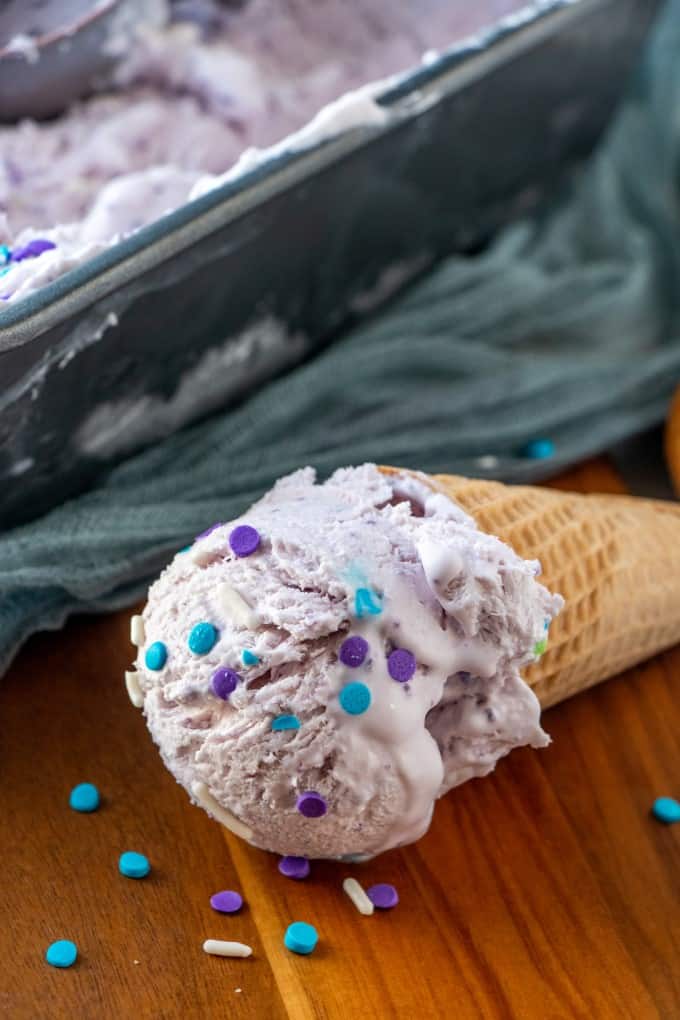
615	559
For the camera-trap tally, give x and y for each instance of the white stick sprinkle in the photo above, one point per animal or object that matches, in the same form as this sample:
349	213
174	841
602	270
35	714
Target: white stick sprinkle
137	632
358	896
218	948
237	607
135	693
206	800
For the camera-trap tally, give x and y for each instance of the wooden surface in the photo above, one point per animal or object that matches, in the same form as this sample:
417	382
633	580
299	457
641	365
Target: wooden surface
544	891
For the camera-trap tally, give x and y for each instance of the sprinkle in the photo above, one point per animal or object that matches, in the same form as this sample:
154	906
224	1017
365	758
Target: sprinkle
236	607
355	698
358	896
546	624
32	249
383	896
226	902
156	655
244	540
353	651
135	693
84	797
202	638
133	865
5	254
186	549
204	797
311	804
540	647
208	531
215	947
224	682
249	658
294	867
366	603
286	722
301	938
137	635
666	809
62	953
401	665
539	449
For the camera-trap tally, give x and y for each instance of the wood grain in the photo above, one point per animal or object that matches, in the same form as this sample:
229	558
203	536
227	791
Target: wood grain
544	891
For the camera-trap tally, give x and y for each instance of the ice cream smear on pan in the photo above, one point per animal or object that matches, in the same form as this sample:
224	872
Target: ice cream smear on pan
317	673
207	96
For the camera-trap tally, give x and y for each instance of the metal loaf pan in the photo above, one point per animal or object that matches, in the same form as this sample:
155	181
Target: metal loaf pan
191	312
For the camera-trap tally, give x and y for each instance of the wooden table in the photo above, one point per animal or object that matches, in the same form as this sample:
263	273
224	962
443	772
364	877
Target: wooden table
544	891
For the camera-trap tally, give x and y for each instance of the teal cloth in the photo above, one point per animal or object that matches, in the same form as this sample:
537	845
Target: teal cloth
567	328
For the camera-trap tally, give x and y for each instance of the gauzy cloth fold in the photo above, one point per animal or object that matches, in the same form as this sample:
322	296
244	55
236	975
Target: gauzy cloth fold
568	327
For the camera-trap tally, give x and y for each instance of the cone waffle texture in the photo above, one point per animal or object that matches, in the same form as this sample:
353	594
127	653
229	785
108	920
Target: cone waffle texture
615	559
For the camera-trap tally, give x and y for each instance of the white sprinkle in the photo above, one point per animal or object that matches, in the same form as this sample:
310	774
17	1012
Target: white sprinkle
218	948
488	462
135	962
207	801
237	607
137	632
135	693
358	896
238	989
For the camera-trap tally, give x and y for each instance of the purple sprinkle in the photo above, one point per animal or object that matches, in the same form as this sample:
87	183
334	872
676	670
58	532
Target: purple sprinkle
227	901
224	682
383	896
32	249
209	531
401	665
353	651
244	540
311	804
294	867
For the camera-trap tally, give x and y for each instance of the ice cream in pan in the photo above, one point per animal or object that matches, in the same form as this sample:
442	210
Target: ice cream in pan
190	97
317	673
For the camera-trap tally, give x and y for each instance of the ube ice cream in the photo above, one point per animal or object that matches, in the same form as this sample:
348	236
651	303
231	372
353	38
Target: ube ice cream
190	98
318	672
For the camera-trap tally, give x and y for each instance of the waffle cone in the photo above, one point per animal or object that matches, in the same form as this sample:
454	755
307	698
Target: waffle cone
615	559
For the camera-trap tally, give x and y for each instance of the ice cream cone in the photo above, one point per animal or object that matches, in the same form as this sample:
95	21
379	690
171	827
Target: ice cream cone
615	559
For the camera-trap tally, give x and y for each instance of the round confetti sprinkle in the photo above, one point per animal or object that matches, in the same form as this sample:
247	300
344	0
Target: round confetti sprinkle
286	722
366	603
355	698
666	809
202	638
62	953
539	449
540	647
226	902
294	867
301	938
84	797
5	254
401	665
224	682
133	865
244	540
311	804
353	651
383	896
156	655
32	249
249	658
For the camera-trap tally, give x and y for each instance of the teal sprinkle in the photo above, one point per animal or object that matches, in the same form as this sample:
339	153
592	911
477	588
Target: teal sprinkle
5	254
202	638
355	698
366	603
249	658
546	624
185	549
63	953
156	655
286	722
666	809
301	938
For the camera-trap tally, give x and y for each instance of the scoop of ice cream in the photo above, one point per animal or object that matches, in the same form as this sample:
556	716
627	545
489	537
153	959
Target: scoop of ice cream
319	671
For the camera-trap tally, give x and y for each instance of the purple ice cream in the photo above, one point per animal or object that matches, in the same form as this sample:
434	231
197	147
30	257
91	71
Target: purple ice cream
367	651
199	98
